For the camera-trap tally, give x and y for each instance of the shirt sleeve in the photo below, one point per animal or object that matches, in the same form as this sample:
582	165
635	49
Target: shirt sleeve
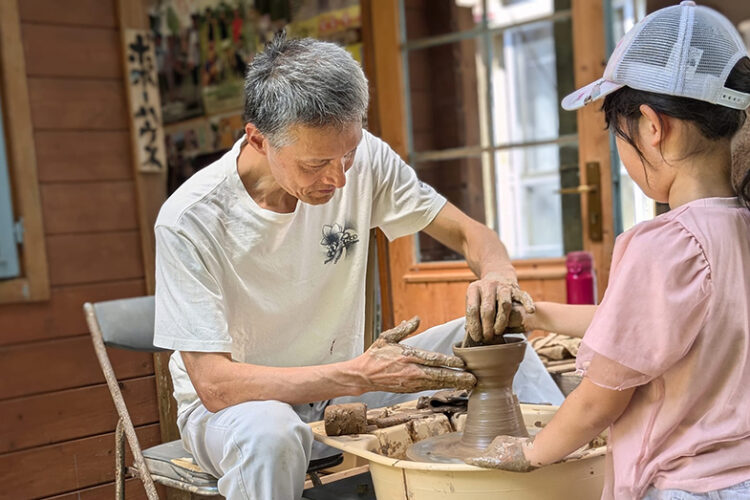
190	312
402	204
654	307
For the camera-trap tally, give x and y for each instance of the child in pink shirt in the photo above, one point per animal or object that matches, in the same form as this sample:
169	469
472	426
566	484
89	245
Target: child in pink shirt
666	356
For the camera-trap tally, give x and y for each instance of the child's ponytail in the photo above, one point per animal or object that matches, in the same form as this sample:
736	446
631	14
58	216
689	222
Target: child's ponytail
739	79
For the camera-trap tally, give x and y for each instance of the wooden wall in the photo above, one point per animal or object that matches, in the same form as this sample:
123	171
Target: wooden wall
58	420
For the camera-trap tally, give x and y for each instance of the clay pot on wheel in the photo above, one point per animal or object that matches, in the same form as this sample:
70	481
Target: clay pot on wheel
493	408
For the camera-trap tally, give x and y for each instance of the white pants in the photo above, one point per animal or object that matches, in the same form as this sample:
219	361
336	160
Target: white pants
260	450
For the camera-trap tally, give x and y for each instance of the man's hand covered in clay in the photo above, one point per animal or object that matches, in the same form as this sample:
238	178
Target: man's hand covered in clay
390	366
488	305
504	452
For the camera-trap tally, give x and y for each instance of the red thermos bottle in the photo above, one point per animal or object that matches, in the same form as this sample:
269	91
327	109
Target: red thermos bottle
580	281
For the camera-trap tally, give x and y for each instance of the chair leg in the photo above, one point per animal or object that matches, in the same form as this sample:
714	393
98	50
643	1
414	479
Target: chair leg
119	462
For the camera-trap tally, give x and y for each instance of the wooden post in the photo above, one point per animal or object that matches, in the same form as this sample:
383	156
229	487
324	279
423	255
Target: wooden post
369	49
386	80
151	189
589	59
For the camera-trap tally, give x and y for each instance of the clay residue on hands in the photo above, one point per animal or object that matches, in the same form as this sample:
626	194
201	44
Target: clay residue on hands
489	305
435	370
506	453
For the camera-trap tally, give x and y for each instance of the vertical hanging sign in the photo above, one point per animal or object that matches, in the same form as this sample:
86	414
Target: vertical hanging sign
145	104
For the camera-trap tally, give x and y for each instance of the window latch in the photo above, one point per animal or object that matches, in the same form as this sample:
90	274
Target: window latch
18	231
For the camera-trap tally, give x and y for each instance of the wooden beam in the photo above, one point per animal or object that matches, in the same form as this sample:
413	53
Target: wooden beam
388	85
32	421
151	189
589	59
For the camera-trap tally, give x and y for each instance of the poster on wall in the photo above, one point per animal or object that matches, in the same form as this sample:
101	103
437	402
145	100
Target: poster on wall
203	47
175	25
202	50
337	21
192	144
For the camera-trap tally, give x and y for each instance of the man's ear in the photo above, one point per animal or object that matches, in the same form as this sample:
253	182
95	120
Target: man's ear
255	139
654	128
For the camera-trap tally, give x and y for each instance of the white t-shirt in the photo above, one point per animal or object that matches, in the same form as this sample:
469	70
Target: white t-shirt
276	289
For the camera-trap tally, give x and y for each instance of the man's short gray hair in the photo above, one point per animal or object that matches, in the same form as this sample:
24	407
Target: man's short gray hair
303	82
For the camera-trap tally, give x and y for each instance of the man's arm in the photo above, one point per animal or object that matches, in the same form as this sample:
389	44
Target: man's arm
488	258
385	366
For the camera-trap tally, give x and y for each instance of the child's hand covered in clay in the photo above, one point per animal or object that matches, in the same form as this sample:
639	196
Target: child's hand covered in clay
504	452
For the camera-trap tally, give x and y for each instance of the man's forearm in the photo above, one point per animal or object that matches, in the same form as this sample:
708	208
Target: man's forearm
486	255
221	382
566	319
484	252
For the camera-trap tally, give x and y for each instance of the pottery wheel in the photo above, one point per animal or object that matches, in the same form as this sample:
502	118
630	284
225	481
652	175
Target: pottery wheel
443	449
446	449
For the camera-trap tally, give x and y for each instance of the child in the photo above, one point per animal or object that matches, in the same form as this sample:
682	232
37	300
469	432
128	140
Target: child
666	356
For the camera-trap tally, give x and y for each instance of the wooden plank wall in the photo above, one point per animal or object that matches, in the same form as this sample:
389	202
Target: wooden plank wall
58	420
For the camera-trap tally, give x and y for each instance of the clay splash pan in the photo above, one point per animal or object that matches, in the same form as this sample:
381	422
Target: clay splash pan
397	478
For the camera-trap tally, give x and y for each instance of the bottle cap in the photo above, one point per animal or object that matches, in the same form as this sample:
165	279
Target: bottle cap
577	262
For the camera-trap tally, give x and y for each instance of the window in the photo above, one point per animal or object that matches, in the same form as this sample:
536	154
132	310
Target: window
19	175
484	79
9	267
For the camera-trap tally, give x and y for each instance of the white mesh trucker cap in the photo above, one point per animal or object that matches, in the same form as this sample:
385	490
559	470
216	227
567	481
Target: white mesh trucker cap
684	50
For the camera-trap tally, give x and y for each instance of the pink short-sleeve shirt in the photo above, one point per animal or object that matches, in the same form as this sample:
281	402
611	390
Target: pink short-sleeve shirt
675	323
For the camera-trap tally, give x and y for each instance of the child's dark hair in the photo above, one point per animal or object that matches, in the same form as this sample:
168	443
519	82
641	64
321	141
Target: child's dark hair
714	121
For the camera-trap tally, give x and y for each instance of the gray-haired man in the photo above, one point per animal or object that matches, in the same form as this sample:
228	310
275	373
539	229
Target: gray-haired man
261	261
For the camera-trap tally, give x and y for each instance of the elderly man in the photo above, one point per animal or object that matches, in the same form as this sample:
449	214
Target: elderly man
261	261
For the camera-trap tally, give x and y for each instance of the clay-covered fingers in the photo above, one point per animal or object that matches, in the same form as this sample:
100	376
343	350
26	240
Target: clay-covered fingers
488	310
504	305
524	298
430	358
441	378
516	318
473	319
505	452
397	333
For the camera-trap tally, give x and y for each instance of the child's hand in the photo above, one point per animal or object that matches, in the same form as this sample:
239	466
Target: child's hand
519	317
506	453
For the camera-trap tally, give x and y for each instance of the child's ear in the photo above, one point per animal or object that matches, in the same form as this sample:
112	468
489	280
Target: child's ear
255	139
653	128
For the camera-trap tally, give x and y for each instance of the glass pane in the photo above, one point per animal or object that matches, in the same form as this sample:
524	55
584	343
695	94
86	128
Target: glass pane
9	264
426	18
447	91
525	76
635	205
507	12
461	182
528	205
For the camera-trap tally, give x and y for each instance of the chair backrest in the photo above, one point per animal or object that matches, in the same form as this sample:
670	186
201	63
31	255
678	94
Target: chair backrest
127	323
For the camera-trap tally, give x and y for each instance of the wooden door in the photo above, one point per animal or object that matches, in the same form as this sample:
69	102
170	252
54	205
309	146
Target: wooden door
436	290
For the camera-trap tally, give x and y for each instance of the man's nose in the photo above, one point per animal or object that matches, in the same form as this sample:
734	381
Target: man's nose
336	173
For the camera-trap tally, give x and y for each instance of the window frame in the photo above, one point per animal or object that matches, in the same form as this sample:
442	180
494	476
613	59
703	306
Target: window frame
485	34
33	283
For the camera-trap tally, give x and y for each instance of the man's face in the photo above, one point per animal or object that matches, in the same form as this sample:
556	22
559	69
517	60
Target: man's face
315	163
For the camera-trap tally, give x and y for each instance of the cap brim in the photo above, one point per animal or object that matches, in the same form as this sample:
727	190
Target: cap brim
591	92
